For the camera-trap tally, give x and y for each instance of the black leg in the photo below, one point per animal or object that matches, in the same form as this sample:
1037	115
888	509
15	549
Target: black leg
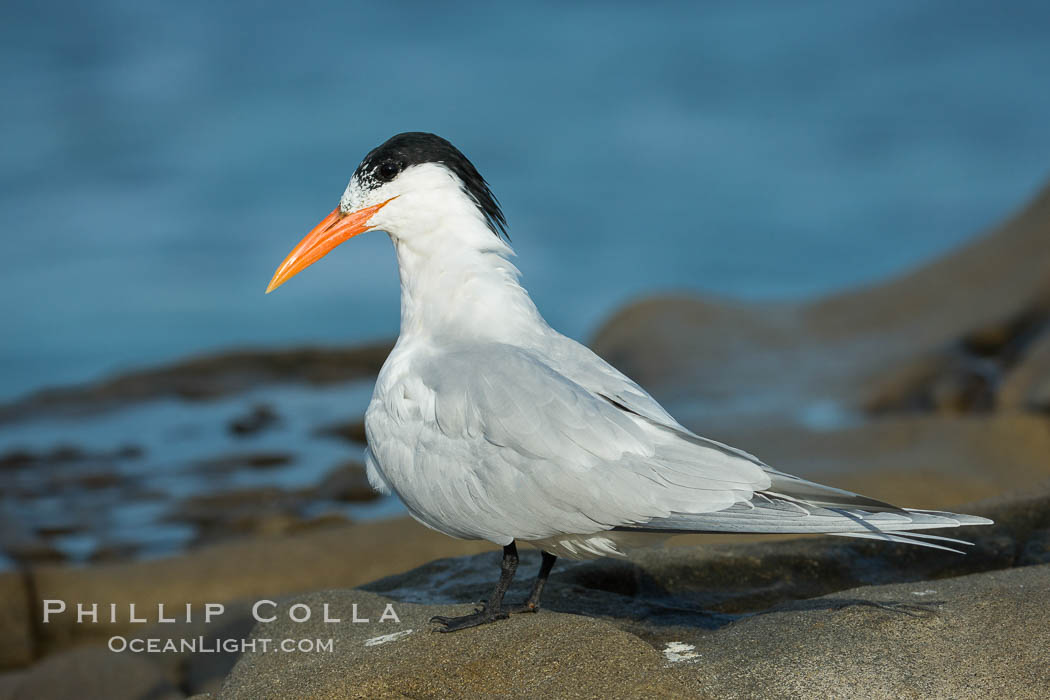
532	603
492	609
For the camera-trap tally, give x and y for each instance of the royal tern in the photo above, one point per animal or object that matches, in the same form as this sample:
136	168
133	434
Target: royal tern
488	424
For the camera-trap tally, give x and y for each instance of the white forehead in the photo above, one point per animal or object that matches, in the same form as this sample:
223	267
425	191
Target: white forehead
364	190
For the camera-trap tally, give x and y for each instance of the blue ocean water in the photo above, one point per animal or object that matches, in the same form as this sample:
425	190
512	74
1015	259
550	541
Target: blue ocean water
160	159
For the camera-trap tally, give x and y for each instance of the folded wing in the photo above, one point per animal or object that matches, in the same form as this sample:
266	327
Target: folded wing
586	452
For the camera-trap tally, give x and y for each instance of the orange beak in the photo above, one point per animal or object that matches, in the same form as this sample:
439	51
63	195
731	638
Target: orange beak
333	230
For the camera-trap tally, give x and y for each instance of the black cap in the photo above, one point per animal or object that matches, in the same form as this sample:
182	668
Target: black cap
385	162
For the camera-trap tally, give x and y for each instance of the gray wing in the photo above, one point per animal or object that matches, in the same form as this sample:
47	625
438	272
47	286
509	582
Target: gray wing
548	456
789	504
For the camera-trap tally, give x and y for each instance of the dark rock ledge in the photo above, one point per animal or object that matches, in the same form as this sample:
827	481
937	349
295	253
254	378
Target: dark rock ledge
815	617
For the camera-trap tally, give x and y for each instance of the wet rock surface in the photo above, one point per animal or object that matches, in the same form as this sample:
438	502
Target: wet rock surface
206	377
247	460
351	431
262	510
196	474
261	417
346	482
49	479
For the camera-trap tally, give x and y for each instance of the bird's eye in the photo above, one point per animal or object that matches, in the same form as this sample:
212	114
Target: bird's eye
388	170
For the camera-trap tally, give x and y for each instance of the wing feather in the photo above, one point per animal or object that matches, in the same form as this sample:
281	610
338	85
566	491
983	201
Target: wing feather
573	461
498	442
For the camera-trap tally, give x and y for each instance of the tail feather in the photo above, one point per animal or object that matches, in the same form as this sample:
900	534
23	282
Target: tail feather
927	536
909	538
962	518
794	505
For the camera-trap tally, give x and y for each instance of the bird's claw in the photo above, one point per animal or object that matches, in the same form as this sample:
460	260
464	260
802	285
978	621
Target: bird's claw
478	617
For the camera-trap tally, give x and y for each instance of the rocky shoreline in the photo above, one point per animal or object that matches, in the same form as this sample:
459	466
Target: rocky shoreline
931	391
804	618
797	614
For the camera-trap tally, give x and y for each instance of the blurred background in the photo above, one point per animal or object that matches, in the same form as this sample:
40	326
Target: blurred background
160	159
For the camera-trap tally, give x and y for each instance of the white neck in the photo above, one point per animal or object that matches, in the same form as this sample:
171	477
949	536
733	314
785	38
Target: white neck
457	283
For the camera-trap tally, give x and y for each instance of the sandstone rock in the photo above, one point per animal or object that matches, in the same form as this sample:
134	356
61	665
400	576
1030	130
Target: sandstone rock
533	656
949	383
918	461
269	510
346	482
1027	386
659	590
8	682
227	514
200	672
246	569
94	673
16	625
775	358
976	636
351	431
221	506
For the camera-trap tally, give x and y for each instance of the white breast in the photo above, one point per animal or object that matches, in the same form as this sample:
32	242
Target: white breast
411	456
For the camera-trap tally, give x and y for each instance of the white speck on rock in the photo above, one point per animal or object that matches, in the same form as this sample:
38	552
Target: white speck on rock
384	638
676	652
928	591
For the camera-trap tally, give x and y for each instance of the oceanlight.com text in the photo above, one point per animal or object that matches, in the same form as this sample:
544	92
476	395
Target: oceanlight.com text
202	645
